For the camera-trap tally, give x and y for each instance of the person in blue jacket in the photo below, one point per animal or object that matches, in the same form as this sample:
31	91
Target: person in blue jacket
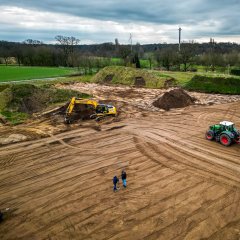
124	178
115	181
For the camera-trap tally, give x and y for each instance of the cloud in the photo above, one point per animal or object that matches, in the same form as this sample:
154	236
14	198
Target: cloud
95	21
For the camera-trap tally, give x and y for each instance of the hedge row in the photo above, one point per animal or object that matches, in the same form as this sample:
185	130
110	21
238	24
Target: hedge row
214	84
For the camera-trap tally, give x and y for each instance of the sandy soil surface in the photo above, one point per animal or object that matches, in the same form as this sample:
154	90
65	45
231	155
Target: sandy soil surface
180	186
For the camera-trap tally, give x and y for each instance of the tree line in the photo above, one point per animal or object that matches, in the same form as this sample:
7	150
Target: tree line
68	52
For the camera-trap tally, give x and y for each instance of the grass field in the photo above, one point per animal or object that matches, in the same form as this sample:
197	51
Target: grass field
15	73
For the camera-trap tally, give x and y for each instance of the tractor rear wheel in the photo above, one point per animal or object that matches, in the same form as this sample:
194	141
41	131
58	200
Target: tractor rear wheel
225	140
210	135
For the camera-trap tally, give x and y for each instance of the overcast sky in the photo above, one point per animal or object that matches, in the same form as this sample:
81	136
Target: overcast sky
98	21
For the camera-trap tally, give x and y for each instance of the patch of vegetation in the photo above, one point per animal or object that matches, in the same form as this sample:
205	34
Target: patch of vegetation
235	72
144	63
15	117
127	76
223	85
16	73
19	101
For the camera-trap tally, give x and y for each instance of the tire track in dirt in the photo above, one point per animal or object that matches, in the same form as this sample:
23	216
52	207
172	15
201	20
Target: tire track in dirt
113	209
166	232
194	162
176	187
168	148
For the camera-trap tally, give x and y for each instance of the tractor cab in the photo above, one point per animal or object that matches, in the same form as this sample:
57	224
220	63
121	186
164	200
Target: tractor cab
224	132
229	126
222	126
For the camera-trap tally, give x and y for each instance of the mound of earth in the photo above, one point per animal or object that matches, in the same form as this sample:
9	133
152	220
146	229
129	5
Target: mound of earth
29	99
176	98
128	76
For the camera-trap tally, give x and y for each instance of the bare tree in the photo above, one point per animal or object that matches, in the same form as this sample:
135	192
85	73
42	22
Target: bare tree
167	57
186	55
150	57
68	45
18	53
232	58
124	53
5	53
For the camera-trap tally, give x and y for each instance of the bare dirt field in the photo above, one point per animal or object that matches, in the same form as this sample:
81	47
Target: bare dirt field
180	186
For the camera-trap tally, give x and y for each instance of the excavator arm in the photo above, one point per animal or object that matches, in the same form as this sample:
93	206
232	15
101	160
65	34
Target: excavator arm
70	106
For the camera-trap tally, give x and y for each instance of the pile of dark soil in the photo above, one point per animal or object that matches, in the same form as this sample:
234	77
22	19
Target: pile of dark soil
176	98
82	112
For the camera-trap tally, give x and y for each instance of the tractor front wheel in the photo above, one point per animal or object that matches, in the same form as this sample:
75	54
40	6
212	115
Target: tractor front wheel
210	135
225	140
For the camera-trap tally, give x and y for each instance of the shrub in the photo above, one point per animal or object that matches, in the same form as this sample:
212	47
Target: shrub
235	72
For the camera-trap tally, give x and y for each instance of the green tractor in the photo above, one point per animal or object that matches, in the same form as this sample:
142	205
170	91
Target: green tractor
225	133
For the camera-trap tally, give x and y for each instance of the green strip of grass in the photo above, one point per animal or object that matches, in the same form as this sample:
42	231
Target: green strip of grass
15	73
181	77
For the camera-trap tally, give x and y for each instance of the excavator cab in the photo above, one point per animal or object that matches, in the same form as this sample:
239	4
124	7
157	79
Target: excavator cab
102	108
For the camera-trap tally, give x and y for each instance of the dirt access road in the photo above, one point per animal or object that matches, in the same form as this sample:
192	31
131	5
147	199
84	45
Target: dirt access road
180	186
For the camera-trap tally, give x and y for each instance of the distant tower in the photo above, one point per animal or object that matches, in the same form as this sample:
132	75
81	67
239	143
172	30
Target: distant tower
130	40
179	39
116	42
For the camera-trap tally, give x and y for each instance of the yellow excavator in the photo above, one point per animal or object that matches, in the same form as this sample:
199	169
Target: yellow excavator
80	108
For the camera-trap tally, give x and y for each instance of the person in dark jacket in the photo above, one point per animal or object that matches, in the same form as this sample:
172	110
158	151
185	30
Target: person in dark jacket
1	216
115	181
124	178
